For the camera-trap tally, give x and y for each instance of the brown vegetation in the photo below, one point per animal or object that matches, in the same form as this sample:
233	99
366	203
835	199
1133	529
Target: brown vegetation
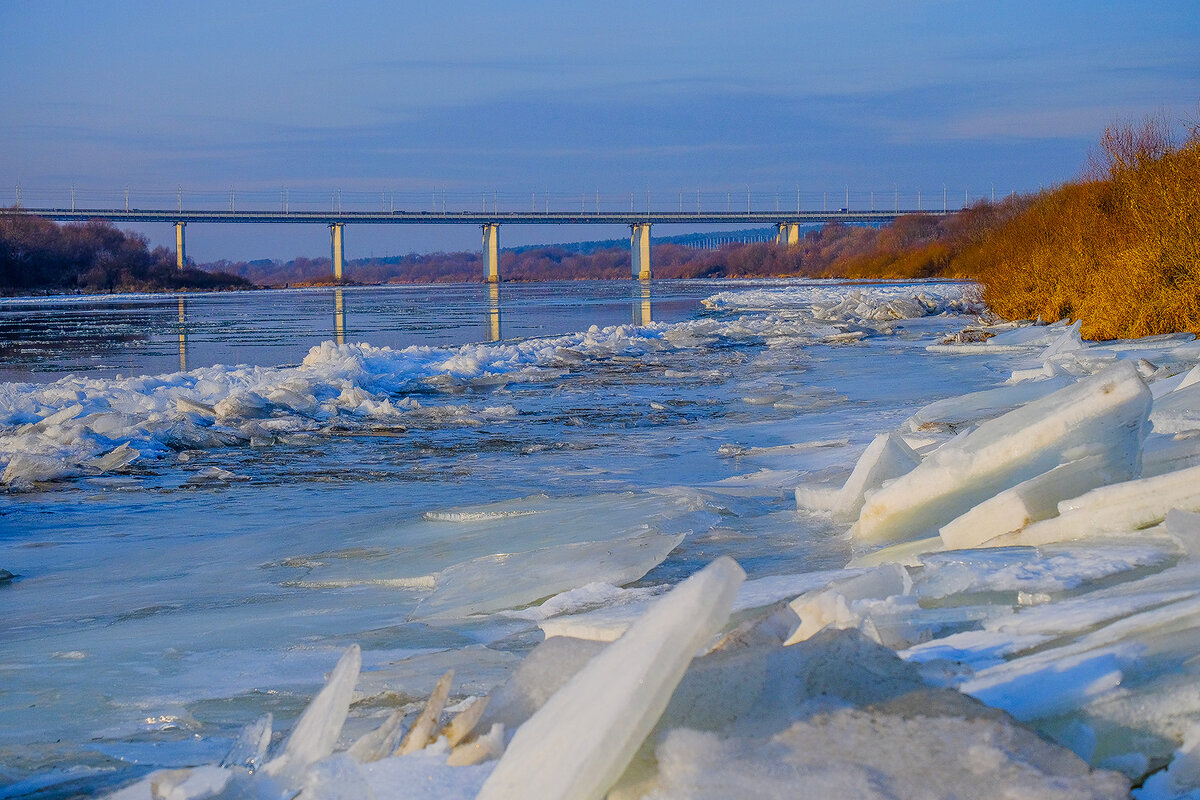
38	255
1119	249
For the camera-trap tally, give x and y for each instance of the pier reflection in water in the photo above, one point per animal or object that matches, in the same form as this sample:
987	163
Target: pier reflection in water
182	335
493	312
641	304
339	317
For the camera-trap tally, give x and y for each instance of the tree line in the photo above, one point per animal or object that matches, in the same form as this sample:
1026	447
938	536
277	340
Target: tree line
39	255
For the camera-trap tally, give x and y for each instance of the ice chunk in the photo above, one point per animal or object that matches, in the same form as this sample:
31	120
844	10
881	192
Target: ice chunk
316	732
27	468
497	582
1177	411
1162	454
381	742
888	456
1119	508
842	605
1068	342
1105	414
1164	386
1181	778
607	624
250	747
542	673
115	459
421	733
1028	501
578	744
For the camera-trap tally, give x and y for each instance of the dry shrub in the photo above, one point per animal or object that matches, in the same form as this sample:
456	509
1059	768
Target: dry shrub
1119	250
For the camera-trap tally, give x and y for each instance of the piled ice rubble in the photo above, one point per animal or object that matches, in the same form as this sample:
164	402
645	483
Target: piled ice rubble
681	705
831	300
1076	610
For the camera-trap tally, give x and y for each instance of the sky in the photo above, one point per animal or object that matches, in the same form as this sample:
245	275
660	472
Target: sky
407	103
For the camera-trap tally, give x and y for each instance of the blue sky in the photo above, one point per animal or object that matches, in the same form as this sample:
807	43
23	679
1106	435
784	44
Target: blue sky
379	99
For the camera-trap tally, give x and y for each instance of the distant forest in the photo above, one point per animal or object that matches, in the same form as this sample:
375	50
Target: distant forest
37	255
833	250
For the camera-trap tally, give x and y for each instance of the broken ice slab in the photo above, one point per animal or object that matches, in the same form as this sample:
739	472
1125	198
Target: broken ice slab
607	624
1057	680
25	469
316	732
886	457
1105	414
955	574
985	404
1162	453
1118	508
1177	411
1028	501
115	459
510	580
1180	380
842	603
580	742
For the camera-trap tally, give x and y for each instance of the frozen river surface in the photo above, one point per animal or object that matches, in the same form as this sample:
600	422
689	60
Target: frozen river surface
196	547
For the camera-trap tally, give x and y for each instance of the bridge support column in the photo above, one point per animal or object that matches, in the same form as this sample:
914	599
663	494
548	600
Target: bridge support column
491	252
639	243
337	246
180	250
789	234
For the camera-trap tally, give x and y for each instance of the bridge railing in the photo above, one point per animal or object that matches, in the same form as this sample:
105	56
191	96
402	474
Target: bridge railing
445	200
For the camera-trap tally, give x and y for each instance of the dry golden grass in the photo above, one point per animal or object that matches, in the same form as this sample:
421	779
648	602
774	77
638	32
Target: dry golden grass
1119	250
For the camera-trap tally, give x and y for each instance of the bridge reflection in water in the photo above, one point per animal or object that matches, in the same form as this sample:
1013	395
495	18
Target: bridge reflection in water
641	304
493	312
182	335
339	317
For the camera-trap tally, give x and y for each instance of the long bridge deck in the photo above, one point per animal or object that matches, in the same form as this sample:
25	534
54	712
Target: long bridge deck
788	222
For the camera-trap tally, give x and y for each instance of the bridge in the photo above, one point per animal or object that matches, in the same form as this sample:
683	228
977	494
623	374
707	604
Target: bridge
788	223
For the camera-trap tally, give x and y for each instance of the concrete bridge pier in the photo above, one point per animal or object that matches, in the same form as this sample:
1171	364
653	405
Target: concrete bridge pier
491	252
180	251
639	242
789	234
337	246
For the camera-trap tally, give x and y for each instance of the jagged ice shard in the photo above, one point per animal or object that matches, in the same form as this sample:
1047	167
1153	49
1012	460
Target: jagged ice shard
578	744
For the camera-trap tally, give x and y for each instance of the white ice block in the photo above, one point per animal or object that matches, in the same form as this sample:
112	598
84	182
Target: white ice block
578	744
984	404
887	457
1162	454
1119	508
1028	501
1104	414
1178	410
839	604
